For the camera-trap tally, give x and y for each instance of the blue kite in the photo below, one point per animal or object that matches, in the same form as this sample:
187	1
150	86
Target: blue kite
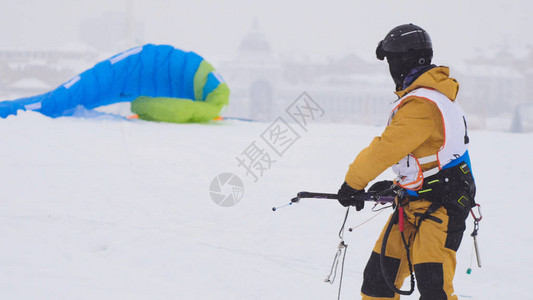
161	82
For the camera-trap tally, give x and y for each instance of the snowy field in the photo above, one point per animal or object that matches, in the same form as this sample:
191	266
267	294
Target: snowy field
115	209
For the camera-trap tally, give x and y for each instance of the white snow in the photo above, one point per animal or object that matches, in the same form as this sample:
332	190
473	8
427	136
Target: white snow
115	209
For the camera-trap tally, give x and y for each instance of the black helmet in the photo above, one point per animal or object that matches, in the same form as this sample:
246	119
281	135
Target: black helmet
406	47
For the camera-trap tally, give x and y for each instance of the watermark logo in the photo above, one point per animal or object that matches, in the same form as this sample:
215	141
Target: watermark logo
226	189
304	110
259	156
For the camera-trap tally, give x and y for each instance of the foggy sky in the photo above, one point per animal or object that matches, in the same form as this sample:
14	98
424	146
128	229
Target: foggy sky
460	29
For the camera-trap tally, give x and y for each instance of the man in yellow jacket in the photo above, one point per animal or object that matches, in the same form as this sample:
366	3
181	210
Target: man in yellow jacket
425	142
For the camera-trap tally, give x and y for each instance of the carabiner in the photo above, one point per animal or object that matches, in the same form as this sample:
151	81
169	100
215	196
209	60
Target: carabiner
477	219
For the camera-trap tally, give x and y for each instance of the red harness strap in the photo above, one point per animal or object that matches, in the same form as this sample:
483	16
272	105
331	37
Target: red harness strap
400	218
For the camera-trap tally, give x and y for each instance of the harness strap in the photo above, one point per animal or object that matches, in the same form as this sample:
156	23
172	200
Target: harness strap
428	217
430	172
386	275
427	159
427	214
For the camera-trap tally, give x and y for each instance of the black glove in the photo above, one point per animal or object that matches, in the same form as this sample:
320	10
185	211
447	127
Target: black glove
381	186
350	196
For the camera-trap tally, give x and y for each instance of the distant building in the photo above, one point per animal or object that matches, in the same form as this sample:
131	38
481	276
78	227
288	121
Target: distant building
263	84
27	72
492	88
354	91
254	78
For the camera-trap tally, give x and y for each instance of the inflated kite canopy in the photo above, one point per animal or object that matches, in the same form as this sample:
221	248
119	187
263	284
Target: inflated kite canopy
161	82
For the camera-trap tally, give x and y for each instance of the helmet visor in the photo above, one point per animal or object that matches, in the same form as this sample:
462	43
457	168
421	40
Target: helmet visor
380	53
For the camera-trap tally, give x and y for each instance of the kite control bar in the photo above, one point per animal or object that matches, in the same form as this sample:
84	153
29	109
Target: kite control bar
376	197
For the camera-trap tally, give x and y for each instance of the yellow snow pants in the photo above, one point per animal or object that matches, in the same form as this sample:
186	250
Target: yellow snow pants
432	252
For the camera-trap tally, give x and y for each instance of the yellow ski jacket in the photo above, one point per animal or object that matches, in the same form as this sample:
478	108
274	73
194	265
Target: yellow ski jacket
416	129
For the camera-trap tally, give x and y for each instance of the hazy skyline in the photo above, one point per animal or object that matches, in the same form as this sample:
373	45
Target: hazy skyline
460	30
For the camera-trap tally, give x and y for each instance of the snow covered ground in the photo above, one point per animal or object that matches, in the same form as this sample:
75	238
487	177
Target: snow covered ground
114	209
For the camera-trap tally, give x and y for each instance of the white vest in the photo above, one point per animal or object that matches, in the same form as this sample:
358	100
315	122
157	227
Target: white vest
408	170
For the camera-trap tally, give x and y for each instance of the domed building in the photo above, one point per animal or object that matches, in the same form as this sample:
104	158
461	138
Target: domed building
263	84
254	77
